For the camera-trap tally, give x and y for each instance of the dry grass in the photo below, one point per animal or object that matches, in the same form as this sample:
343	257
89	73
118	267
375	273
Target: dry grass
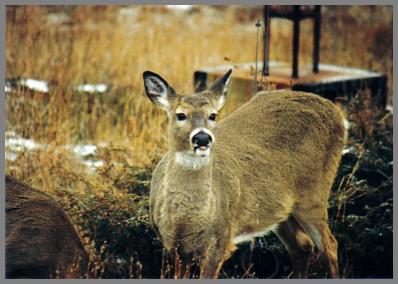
102	44
114	45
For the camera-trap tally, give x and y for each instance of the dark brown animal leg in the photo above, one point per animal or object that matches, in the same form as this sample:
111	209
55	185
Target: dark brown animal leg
298	244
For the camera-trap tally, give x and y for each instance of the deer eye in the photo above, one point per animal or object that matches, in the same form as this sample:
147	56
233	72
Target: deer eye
213	116
181	116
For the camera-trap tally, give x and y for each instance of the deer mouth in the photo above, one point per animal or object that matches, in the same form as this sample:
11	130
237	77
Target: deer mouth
202	151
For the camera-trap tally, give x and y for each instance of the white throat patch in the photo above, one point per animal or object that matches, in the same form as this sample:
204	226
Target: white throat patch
191	160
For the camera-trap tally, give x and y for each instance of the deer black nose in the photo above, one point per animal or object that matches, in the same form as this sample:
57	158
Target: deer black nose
201	139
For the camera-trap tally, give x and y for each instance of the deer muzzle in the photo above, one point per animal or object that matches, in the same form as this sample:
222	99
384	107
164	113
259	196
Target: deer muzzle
202	140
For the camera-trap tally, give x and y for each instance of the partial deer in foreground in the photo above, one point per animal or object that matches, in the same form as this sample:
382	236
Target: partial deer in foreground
267	166
41	242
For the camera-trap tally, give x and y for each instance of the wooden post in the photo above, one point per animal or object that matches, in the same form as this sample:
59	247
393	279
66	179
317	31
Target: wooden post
317	39
266	38
296	40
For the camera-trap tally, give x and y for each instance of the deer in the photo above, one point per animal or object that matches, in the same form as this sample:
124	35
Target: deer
266	167
41	241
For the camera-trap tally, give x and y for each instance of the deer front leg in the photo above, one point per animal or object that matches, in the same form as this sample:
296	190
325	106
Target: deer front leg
176	264
182	264
167	269
186	263
214	258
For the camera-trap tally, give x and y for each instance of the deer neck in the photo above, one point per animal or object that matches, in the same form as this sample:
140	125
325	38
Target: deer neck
188	193
187	175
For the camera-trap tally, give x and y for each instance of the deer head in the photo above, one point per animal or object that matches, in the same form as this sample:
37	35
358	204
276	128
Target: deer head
192	118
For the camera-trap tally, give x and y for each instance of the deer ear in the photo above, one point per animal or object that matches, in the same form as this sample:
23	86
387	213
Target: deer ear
158	90
218	90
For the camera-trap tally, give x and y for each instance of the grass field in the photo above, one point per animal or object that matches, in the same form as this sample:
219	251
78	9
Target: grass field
97	149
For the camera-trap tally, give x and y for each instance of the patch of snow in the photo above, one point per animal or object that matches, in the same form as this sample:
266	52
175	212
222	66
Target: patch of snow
14	144
85	150
92	165
129	11
36	85
390	108
19	144
10	156
182	8
57	18
92	88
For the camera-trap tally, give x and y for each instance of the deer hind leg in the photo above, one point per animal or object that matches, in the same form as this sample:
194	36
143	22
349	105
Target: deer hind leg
325	242
298	244
329	252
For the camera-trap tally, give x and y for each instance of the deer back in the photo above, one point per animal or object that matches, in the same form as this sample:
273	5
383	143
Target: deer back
279	147
41	242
